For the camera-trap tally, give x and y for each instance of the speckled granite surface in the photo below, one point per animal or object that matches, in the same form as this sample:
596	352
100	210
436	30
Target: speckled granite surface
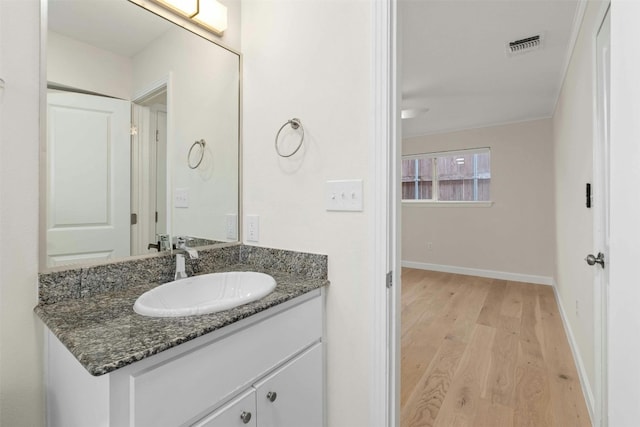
90	310
86	282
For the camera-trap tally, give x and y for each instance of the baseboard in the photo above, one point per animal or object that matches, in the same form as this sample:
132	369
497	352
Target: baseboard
582	373
503	275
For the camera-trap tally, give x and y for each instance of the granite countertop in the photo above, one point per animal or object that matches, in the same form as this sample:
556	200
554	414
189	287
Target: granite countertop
104	333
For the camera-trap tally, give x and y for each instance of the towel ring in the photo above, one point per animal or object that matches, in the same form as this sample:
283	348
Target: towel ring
201	143
295	124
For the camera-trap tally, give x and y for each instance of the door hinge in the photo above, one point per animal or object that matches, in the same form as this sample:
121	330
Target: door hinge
157	135
156	216
133	130
389	279
134	219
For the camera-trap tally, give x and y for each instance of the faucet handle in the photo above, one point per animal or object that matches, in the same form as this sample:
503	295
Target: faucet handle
164	241
181	243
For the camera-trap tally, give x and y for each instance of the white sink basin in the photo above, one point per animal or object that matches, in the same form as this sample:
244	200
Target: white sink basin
208	293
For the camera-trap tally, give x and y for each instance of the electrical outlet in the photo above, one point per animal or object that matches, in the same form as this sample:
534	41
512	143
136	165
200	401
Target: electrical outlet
429	246
232	226
253	228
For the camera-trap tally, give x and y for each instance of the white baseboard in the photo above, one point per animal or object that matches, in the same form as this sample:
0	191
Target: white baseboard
503	275
587	390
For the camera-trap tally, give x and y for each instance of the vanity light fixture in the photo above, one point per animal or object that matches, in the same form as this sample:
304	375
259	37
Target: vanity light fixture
412	113
210	14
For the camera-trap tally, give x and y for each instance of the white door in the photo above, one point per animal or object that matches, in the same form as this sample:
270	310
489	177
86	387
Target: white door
88	168
601	218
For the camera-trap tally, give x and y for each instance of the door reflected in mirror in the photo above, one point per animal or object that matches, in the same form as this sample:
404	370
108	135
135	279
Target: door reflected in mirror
142	134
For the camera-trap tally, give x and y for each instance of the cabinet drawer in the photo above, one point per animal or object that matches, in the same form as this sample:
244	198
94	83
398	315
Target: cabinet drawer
240	412
173	392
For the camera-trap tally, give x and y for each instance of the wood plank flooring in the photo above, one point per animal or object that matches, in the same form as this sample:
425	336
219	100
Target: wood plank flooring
485	353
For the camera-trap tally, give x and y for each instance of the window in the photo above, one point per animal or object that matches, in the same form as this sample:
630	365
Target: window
450	176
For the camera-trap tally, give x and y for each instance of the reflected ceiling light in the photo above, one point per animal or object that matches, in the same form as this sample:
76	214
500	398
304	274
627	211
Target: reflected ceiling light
213	15
460	160
210	14
187	8
410	113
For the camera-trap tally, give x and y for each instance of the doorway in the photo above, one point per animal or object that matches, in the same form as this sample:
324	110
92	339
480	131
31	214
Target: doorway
149	170
477	66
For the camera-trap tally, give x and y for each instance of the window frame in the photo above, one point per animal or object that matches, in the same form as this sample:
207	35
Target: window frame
434	201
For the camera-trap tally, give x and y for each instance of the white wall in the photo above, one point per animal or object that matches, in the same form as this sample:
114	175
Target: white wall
21	350
311	60
624	292
76	64
204	102
573	150
516	233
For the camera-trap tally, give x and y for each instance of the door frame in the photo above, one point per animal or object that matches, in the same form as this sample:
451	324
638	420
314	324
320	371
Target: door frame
163	84
385	256
601	169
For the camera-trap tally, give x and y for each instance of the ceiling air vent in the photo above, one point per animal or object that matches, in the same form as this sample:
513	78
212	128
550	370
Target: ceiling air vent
524	45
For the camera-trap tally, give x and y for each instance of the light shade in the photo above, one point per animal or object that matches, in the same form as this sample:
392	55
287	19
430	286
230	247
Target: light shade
212	15
411	113
183	7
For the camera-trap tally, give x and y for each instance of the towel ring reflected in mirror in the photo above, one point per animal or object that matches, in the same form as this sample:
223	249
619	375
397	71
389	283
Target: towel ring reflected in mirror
295	124
201	144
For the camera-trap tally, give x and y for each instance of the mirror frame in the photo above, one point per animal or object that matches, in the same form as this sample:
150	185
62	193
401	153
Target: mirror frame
42	205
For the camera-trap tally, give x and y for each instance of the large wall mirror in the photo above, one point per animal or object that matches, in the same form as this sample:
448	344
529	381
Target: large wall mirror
142	134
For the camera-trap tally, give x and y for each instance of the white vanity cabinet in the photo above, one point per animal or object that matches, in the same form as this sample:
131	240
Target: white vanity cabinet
209	381
289	397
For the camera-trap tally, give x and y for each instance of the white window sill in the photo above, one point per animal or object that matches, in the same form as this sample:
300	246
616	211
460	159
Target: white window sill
431	204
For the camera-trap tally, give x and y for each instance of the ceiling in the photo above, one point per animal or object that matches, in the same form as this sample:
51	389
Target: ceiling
92	21
455	62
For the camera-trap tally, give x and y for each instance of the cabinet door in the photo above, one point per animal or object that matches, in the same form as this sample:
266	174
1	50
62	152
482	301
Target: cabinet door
293	395
240	412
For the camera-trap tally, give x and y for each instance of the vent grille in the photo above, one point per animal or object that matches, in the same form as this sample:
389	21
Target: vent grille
524	45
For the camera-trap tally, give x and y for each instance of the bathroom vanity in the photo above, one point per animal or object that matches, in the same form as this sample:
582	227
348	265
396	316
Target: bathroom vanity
259	364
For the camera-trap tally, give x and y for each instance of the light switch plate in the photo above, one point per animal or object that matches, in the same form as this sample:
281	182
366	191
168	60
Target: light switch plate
181	198
344	195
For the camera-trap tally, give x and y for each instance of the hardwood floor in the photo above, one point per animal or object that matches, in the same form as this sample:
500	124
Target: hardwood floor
485	352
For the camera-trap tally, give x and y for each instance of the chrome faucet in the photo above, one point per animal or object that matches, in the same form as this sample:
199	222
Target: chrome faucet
181	244
181	273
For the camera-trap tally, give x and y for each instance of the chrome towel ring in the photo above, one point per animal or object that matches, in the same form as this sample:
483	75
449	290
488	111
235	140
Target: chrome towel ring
295	124
200	143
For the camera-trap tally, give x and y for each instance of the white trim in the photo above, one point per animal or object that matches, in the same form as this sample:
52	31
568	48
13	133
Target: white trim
444	204
153	88
477	126
383	406
598	407
582	372
491	274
